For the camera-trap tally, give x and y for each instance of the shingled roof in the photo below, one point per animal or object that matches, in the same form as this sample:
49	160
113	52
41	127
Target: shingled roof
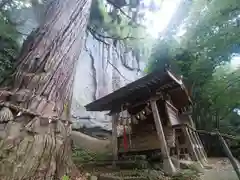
141	90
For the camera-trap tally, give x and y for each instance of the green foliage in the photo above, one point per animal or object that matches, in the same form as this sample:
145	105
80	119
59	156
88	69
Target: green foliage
65	177
98	13
115	24
201	56
110	21
9	38
163	53
223	95
9	46
211	31
80	155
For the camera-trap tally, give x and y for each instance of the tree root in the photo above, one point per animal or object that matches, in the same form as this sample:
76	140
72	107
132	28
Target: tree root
33	157
35	149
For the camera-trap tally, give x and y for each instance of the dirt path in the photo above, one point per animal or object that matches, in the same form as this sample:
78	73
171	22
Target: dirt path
222	170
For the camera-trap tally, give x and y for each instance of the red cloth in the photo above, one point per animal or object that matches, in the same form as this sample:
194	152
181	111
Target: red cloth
125	142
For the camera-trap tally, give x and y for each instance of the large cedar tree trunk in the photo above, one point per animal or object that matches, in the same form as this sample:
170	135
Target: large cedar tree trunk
35	110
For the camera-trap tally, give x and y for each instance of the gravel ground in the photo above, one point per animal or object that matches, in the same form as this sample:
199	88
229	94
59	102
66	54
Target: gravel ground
221	170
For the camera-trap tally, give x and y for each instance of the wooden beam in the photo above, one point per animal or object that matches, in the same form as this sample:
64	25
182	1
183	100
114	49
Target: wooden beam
200	142
114	138
192	124
168	166
198	154
196	147
191	145
229	154
200	149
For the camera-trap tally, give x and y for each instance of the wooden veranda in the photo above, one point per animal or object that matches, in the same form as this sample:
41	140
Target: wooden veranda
157	111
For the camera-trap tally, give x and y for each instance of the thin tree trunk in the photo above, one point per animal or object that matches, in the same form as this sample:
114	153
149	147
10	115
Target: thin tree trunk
229	154
35	109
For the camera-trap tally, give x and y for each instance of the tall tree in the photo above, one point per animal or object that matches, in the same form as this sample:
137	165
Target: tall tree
35	107
202	48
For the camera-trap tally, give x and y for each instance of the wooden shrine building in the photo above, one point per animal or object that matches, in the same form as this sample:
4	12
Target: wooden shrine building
155	113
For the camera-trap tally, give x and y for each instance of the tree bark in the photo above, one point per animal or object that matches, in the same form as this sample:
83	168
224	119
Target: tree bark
35	110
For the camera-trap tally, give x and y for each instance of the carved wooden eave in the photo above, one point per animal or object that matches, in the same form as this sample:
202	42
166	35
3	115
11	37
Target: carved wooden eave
179	81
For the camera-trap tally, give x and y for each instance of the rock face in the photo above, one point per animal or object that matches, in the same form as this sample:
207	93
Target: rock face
104	66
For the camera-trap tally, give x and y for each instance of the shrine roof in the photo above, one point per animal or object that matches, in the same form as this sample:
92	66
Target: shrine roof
142	90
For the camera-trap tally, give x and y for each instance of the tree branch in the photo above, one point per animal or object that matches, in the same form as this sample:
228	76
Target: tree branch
107	59
124	63
96	37
119	8
231	137
118	71
125	14
93	31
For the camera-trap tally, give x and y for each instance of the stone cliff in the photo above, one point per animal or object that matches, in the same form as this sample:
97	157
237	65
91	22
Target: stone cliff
102	68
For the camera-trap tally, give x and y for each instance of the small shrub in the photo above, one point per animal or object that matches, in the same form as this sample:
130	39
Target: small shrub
65	177
80	155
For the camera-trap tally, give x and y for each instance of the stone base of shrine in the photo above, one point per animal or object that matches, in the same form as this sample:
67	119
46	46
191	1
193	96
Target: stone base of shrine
168	167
